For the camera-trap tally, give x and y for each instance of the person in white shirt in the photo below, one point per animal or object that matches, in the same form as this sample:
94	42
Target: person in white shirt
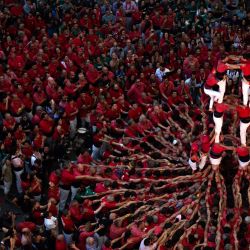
160	72
50	222
146	244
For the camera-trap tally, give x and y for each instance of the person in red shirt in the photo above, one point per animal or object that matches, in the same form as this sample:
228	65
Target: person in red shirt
205	147
35	188
183	90
84	103
39	96
216	154
135	112
135	91
174	100
9	122
53	192
243	157
16	107
71	111
37	213
194	156
68	226
46	125
84	158
209	89
116	229
85	232
51	90
20	134
190	64
166	87
92	74
67	177
61	243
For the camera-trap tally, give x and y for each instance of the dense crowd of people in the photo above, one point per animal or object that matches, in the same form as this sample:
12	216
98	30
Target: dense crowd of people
124	124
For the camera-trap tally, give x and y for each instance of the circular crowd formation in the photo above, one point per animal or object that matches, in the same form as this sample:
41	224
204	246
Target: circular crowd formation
123	124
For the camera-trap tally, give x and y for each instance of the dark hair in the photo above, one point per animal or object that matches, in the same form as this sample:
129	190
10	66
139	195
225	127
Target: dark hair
191	239
147	242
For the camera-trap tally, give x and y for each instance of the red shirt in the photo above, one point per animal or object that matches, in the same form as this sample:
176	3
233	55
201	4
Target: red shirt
221	107
76	213
10	123
218	148
16	10
242	151
135	91
244	112
85	159
15	105
67	178
166	89
26	224
28	103
69	109
92	76
246	69
135	113
100	188
53	192
53	210
116	232
39	97
82	239
46	126
61	245
38	217
68	224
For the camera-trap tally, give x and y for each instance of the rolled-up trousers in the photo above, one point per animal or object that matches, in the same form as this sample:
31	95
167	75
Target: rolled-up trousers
203	161
222	89
245	89
218	122
64	194
243	132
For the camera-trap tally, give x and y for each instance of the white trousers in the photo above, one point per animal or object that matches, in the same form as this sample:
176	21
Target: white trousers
215	161
243	165
222	90
214	96
245	88
6	186
243	132
74	190
192	164
218	125
63	198
203	161
18	181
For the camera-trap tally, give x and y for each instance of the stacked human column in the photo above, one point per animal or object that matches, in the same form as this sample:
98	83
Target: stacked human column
215	87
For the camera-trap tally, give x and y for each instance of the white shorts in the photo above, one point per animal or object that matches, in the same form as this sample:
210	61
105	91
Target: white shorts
215	161
192	164
243	164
